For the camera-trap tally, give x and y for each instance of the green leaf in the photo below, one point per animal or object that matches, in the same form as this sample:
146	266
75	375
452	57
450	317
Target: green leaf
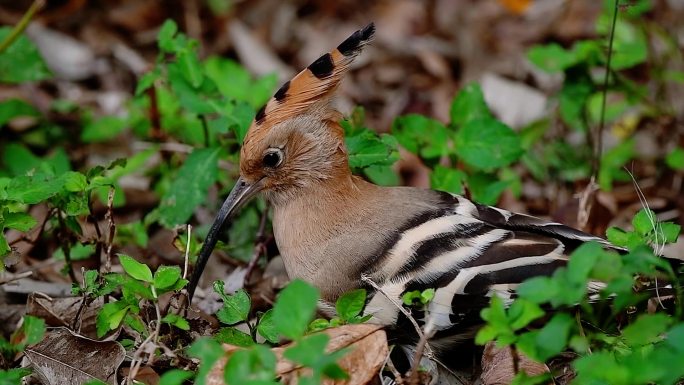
13	376
644	221
522	312
177	321
175	377
468	105
110	317
612	162
21	62
135	269
572	101
166	35
267	328
33	189
254	366
235	307
675	159
31	332
670	231
350	304
233	336
190	187
15	108
486	188
551	340
191	67
382	175
308	350
74	181
551	57
487	144
447	179
235	82
319	324
103	129
294	308
18	221
367	149
630	45
166	276
208	351
421	135
647	329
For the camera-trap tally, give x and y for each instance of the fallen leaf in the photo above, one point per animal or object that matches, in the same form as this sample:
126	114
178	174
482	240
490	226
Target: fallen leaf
368	351
62	311
497	365
66	358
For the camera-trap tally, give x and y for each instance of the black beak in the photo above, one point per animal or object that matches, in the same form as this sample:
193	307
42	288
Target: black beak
242	192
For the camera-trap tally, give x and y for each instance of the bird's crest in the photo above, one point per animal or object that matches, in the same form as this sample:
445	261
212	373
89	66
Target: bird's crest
315	84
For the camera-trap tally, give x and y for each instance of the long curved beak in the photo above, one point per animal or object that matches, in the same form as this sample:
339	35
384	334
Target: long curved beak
242	192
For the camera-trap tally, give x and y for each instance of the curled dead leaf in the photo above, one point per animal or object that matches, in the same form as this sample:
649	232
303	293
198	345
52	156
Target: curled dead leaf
368	351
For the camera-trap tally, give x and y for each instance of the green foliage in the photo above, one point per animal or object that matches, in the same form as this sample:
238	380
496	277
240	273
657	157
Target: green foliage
31	331
615	339
13	376
21	62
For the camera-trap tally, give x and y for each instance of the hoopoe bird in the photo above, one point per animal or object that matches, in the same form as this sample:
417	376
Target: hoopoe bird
337	231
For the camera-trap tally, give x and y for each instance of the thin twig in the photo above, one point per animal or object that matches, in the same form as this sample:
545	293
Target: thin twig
259	245
187	252
15	277
112	231
21	25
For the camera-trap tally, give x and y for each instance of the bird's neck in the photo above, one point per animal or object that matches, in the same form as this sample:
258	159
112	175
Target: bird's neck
309	223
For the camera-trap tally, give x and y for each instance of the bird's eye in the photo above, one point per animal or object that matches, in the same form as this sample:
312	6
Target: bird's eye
273	158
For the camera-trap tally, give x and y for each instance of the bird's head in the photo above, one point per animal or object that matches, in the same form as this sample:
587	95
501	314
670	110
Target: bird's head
295	140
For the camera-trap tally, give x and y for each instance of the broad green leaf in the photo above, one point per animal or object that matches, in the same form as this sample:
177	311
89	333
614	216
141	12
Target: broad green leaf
522	312
177	321
350	304
31	332
135	269
382	175
487	144
549	341
15	108
18	221
308	350
447	179
468	105
630	45
233	336
21	62
486	188
235	82
33	189
267	328
294	308
166	35
74	181
539	289
103	129
110	317
670	231
612	163
175	377
647	329
191	67
166	276
235	307
572	101
13	376
190	186
421	135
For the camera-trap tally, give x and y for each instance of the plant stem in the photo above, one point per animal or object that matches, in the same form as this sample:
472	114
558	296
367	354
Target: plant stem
21	26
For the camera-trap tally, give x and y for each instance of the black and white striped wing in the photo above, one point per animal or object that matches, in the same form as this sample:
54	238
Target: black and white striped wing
468	253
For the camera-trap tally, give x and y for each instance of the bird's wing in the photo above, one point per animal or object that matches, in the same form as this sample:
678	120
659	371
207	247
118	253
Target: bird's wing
469	252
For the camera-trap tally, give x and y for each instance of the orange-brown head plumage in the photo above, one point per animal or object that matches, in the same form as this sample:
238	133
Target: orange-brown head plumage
295	138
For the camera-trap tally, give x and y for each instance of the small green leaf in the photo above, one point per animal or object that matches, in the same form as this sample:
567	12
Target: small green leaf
308	350
15	108
294	308
253	366
175	377
208	351
319	324
191	67
551	57
177	321
447	179
367	149
647	329
670	231
644	221
166	35
103	129
425	137
135	269
350	304
166	276
13	376
31	332
110	317
522	312
233	336
266	327
235	307
675	159
487	144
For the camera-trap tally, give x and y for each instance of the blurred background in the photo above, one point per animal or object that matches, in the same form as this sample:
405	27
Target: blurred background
101	92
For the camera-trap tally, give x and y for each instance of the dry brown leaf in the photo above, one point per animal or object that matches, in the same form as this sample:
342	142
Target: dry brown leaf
368	351
497	365
65	358
62	312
